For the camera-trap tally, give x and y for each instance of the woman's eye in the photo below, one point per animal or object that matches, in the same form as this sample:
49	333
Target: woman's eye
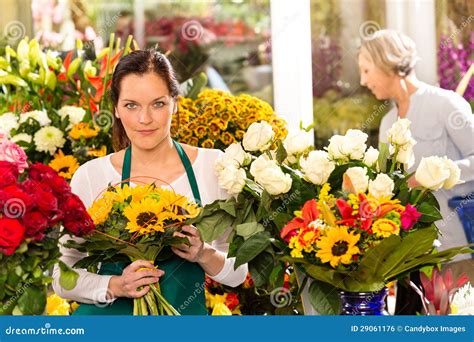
159	104
131	106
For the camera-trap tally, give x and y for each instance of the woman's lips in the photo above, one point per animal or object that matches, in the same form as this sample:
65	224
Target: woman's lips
147	131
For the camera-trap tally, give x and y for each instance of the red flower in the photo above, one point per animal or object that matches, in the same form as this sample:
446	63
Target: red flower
46	175
309	213
12	234
80	227
231	301
35	223
14	202
8	173
409	217
45	200
76	218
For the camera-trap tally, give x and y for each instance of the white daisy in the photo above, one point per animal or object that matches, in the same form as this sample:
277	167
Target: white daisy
22	137
75	114
8	121
49	139
39	115
463	301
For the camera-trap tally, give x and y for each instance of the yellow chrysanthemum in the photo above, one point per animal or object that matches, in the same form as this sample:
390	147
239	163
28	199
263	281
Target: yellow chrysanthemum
385	228
65	166
146	216
83	130
57	306
100	152
208	143
227	138
337	246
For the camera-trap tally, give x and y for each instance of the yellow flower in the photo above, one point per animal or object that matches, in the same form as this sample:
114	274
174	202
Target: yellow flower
65	166
220	309
57	306
193	141
146	216
200	131
178	204
100	209
100	152
385	228
337	246
325	196
239	134
83	130
227	138
208	143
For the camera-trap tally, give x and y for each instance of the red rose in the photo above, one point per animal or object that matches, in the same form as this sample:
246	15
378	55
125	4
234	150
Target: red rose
8	174
75	216
12	234
44	174
14	202
45	200
80	227
35	223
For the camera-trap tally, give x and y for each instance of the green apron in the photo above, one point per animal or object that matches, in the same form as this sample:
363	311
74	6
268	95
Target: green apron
183	282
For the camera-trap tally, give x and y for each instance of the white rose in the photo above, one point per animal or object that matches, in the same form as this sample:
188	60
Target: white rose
405	153
350	146
371	156
39	115
49	139
268	174
75	114
258	137
381	186
432	173
232	179
454	174
359	181
317	167
399	133
298	142
234	155
8	121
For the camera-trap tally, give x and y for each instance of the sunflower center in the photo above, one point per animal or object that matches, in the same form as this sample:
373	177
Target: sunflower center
147	218
64	169
340	248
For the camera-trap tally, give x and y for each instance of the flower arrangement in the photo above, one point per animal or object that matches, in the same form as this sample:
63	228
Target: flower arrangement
136	223
34	203
344	216
217	119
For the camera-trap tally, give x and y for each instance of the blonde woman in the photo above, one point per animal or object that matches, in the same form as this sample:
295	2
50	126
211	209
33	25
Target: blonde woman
441	122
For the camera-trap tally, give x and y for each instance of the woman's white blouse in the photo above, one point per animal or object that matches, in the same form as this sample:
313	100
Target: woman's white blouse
94	176
442	123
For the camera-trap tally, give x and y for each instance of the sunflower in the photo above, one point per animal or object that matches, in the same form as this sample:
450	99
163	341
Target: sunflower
177	204
65	166
100	152
338	246
385	227
83	130
146	216
100	209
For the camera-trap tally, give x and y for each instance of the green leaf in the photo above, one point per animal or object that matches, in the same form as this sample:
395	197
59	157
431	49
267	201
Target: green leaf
213	227
277	276
68	277
246	230
193	86
251	248
260	268
384	155
324	298
228	207
32	301
281	153
429	212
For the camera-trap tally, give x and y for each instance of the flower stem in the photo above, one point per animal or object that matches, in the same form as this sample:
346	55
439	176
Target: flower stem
151	302
420	195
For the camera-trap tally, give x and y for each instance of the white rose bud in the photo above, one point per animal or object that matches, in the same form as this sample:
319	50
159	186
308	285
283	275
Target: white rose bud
454	174
405	153
371	156
399	133
232	179
268	174
317	167
350	146
298	142
359	181
233	155
336	147
381	186
432	173
258	137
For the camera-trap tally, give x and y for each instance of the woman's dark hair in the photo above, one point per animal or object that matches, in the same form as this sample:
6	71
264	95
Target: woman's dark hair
139	62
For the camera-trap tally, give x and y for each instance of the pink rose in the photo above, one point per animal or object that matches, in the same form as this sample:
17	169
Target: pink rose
409	217
11	152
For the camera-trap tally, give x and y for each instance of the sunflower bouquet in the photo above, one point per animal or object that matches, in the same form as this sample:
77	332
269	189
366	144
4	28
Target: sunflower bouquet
136	223
344	216
217	119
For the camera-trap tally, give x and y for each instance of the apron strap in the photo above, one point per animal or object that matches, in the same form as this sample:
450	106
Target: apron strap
127	163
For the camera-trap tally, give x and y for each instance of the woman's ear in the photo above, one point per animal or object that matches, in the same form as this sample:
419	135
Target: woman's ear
116	113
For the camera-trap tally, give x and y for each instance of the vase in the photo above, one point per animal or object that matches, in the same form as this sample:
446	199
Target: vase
364	303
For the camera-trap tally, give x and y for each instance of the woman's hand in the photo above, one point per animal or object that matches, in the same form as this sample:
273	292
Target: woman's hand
193	252
133	277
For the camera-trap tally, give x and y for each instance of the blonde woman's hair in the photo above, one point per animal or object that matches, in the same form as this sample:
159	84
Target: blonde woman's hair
391	51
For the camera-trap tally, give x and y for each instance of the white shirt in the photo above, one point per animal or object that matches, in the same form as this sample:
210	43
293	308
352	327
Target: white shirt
94	176
443	125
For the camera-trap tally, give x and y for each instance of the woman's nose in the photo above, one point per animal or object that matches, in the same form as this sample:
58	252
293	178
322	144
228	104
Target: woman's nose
145	117
363	82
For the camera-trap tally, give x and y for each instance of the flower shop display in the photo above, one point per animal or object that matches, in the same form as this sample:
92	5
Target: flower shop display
217	119
344	216
136	223
34	203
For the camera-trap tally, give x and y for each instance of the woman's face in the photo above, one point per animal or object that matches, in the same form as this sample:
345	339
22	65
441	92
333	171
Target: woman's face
380	83
145	108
